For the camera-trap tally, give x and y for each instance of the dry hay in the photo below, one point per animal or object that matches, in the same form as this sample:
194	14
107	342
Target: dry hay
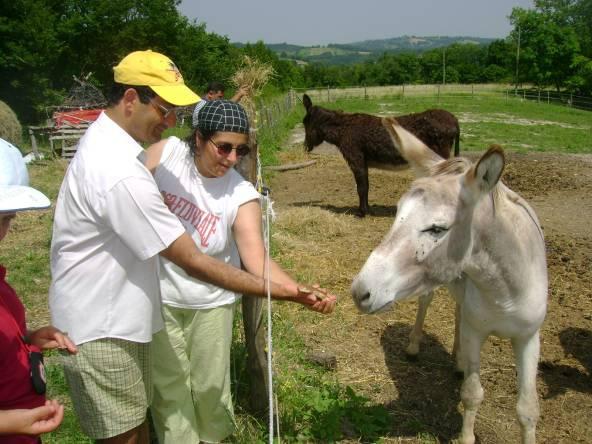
252	76
10	127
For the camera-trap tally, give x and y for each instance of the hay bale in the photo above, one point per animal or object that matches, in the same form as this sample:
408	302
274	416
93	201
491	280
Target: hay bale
10	128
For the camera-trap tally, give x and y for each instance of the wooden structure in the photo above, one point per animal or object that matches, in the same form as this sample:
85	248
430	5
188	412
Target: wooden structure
67	137
63	141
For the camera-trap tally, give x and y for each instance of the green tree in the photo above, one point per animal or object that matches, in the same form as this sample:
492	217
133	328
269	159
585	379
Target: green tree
547	50
29	50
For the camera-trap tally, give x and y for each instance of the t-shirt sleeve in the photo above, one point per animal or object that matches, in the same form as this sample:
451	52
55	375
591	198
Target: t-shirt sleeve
243	192
136	212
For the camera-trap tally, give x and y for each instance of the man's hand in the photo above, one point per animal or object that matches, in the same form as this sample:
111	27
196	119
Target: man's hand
50	337
32	421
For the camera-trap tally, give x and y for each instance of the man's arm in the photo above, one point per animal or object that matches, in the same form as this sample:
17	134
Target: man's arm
184	253
241	92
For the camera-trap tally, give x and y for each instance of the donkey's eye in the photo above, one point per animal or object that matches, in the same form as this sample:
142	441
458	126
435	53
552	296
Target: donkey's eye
436	230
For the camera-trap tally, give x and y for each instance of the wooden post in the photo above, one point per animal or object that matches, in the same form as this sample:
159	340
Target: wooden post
252	306
548	101
34	143
328	96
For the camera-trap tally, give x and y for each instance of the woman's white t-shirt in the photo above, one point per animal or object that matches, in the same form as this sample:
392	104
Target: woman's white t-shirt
207	208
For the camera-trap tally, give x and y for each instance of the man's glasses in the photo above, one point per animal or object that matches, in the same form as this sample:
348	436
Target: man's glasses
166	112
225	148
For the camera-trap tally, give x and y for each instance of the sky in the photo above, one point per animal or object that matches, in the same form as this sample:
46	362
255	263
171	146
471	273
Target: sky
320	22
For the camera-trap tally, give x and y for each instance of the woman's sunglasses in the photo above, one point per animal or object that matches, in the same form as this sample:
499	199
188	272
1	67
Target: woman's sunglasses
225	148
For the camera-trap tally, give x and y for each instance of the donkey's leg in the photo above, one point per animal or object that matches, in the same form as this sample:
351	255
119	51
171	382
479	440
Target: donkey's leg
362	183
456	352
471	392
417	332
526	351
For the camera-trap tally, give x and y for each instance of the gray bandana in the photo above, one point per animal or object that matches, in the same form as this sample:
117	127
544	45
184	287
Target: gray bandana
222	115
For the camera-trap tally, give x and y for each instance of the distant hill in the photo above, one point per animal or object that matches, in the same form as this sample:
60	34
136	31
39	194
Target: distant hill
356	52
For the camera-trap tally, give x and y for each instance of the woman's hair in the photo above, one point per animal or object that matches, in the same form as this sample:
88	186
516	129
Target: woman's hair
191	139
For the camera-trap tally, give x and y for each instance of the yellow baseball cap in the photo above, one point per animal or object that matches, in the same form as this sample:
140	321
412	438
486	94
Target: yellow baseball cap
157	71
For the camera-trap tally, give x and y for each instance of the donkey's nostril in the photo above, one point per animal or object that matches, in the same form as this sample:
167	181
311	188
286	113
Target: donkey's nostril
364	297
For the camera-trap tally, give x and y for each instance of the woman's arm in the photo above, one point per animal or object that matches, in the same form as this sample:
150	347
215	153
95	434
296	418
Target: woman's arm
153	155
247	235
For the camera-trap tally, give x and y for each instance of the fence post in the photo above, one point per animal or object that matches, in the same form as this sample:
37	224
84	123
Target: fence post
472	91
438	93
328	97
524	94
539	98
548	98
34	144
365	93
570	99
403	91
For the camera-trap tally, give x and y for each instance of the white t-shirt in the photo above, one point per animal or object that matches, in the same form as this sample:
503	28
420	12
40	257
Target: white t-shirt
207	208
110	224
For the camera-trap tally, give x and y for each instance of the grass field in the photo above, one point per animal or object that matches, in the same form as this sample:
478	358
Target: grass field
313	405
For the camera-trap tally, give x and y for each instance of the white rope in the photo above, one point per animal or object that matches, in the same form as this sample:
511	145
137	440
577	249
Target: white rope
268	211
269	324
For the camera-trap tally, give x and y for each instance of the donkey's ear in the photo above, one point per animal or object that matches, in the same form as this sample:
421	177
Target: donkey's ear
413	150
306	101
487	172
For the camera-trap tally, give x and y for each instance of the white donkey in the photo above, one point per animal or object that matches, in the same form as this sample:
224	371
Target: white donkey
461	227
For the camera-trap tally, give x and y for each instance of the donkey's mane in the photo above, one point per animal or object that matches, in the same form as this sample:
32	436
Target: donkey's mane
451	167
323	116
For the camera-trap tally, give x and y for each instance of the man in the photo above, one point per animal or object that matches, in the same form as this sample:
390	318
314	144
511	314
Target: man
215	91
110	224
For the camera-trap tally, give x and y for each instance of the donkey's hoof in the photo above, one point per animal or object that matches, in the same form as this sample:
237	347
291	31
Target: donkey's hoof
459	374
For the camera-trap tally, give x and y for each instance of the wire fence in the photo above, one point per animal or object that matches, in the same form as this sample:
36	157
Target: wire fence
271	111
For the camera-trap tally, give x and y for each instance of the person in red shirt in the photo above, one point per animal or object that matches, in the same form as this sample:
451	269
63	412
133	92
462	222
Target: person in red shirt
24	411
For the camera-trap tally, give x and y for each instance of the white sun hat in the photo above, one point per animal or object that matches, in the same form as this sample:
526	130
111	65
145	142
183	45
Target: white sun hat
15	192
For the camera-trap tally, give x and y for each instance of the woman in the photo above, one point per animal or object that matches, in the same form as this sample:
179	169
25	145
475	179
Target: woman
24	411
221	211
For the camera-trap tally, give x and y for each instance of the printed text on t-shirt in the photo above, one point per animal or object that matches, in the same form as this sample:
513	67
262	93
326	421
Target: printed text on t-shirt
203	222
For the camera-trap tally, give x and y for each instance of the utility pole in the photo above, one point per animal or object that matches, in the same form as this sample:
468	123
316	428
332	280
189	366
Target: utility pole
517	60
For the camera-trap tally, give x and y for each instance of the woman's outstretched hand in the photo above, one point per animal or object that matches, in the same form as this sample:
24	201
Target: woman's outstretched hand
316	298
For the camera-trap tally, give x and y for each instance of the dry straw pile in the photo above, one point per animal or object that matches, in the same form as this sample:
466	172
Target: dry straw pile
252	76
10	128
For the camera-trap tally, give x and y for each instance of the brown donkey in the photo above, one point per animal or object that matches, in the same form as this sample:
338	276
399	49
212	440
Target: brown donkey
364	142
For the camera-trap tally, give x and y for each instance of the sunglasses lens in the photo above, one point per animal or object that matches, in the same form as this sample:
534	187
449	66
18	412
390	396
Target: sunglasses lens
224	148
243	150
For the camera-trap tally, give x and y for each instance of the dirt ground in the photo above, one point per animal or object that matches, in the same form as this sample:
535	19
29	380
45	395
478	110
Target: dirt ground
423	396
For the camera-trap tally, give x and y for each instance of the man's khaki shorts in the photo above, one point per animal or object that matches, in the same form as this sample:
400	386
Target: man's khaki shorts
110	385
